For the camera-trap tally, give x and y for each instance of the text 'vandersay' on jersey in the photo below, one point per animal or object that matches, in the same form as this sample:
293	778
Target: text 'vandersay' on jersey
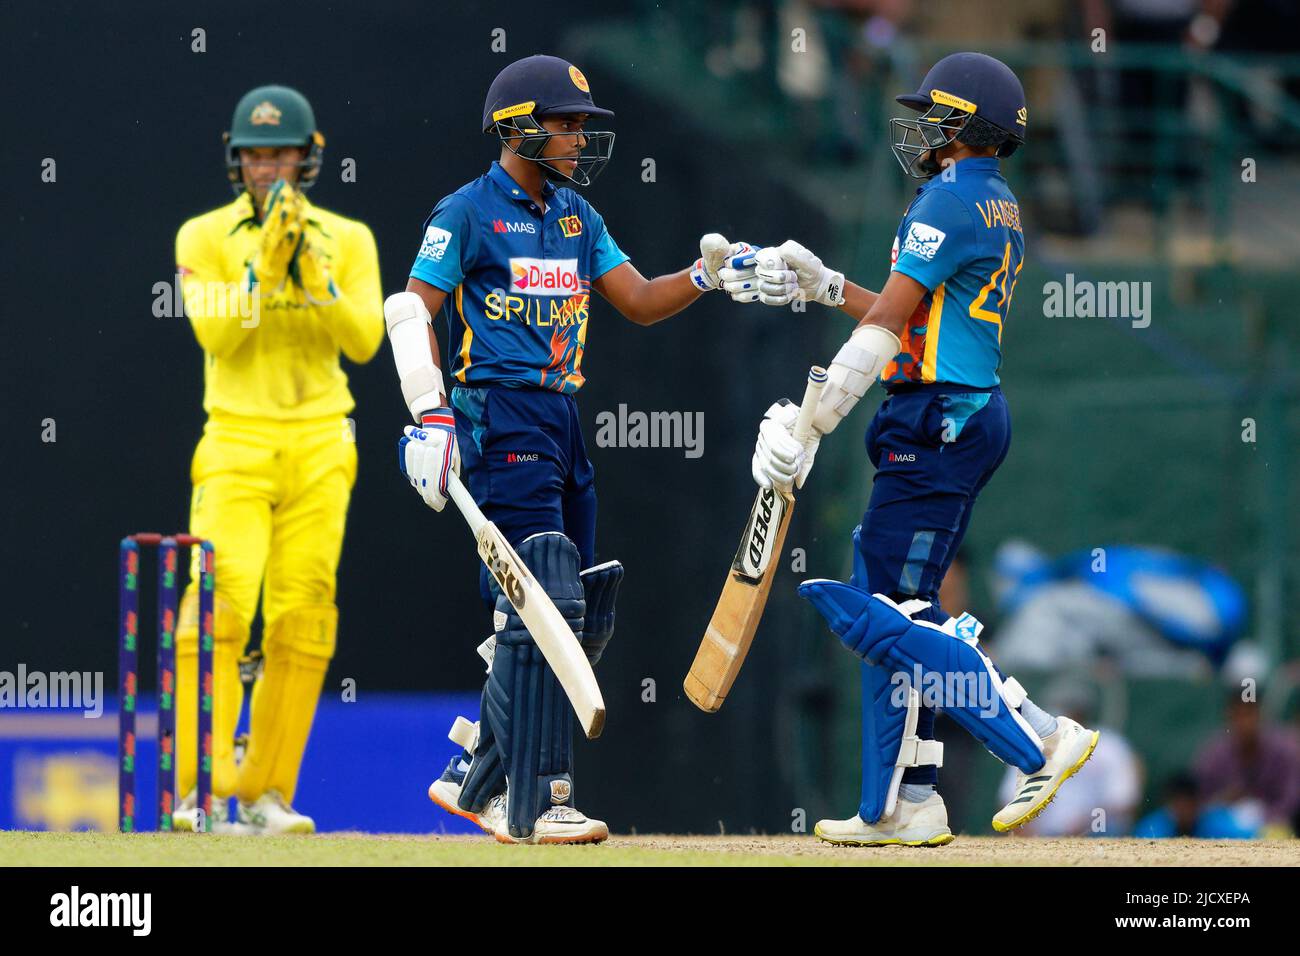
960	238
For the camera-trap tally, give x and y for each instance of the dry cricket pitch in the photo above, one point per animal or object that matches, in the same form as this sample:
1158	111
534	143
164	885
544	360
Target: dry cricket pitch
361	849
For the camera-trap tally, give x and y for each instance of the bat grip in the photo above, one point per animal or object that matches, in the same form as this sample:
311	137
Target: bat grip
811	394
465	502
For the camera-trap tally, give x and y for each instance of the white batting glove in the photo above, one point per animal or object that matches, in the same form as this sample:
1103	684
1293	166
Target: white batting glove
790	272
739	276
718	262
779	460
427	455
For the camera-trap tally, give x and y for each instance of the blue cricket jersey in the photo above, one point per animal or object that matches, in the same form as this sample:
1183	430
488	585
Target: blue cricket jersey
519	280
962	240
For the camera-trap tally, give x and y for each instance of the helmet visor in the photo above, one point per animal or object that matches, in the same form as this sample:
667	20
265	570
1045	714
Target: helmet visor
527	137
913	140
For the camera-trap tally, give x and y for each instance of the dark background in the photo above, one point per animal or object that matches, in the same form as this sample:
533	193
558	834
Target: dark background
133	119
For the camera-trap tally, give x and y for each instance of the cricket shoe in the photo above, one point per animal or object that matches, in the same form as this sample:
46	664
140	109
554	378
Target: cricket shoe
445	792
1064	752
271	815
185	817
494	814
556	825
911	824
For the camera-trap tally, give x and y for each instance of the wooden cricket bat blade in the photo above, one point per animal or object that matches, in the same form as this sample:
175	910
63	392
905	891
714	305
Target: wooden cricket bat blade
554	638
739	610
736	617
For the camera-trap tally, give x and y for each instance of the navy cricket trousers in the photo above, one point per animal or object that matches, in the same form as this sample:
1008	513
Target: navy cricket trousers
525	463
934	447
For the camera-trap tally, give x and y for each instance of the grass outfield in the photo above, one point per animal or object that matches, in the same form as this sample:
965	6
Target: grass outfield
359	849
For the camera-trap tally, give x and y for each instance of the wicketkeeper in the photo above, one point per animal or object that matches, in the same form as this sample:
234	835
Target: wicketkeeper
275	288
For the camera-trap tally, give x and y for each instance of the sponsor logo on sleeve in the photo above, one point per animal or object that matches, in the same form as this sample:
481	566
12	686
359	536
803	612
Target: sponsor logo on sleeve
923	241
545	276
435	243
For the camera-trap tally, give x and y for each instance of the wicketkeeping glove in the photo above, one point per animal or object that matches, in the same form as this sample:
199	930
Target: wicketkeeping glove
282	222
311	270
790	272
427	455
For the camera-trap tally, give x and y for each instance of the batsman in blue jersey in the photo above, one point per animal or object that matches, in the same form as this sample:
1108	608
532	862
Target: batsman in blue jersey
510	260
932	337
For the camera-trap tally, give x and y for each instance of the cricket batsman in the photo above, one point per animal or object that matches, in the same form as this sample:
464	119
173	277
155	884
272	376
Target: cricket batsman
275	288
932	336
509	260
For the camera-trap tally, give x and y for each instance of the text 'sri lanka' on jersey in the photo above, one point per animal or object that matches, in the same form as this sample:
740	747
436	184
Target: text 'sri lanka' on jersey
960	238
518	280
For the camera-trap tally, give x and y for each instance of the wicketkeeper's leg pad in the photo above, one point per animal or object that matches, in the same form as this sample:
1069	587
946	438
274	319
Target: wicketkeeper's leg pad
523	702
876	629
229	638
296	651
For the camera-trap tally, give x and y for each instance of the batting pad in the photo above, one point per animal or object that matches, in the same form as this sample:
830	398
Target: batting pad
890	744
600	588
487	774
873	627
523	701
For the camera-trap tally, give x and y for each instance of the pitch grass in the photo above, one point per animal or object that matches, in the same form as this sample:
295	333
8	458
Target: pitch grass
360	849
180	849
160	849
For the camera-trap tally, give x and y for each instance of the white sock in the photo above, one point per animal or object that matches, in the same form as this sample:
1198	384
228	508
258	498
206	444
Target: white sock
1044	724
915	792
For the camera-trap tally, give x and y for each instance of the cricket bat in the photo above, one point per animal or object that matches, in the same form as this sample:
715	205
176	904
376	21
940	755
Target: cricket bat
731	630
558	644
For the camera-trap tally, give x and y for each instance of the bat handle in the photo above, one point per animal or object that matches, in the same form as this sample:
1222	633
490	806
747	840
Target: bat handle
465	502
811	394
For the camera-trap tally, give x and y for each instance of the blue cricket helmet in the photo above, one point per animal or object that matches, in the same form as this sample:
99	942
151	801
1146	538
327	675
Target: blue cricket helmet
539	86
969	97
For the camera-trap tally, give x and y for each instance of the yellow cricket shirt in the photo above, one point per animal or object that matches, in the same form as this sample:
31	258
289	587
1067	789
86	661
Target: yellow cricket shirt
278	357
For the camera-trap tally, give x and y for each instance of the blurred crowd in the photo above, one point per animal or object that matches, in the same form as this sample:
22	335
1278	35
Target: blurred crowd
1109	659
1243	783
1123	105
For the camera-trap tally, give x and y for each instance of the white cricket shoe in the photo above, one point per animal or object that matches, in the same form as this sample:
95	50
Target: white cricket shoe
446	794
911	824
1065	751
271	815
494	814
556	825
185	817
